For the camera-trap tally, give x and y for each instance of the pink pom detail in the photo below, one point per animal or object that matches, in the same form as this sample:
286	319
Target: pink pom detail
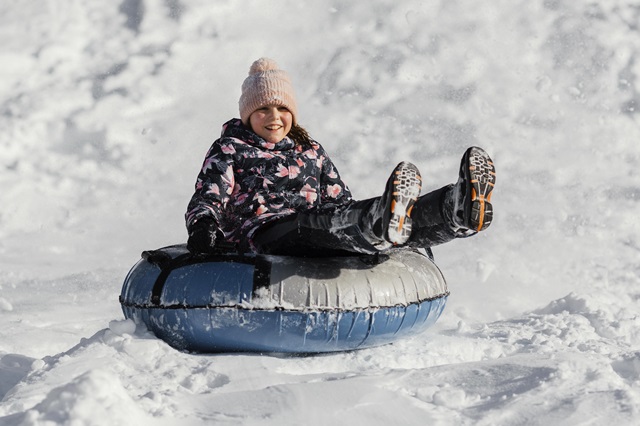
263	64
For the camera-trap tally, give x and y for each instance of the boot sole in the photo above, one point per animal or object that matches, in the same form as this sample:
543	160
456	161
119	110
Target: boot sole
407	184
480	175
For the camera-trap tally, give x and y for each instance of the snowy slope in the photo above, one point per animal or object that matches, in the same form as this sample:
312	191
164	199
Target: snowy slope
106	112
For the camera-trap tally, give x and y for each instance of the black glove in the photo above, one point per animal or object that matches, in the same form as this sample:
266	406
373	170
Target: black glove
202	236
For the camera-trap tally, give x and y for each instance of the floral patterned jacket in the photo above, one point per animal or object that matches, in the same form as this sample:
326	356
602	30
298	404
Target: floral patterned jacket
245	182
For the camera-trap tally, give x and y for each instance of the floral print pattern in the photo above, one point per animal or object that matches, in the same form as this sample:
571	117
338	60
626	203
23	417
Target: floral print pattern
245	182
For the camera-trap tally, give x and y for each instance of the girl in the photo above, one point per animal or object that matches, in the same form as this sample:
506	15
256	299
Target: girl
267	187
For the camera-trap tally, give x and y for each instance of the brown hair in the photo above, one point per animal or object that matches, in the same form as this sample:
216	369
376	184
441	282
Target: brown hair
300	136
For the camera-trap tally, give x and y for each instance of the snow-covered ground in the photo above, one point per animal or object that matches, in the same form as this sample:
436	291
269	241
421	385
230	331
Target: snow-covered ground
106	112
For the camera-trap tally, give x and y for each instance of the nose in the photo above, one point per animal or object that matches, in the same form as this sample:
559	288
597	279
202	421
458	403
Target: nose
275	113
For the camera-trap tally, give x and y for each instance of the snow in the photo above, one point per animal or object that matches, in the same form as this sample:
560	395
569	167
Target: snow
107	110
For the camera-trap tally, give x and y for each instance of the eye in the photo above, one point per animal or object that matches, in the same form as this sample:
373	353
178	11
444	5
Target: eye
283	109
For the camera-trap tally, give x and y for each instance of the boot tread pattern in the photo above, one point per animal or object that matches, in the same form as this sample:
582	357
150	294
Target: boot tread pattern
482	178
406	188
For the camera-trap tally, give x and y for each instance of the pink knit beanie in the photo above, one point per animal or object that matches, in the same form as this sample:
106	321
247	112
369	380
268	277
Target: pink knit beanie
266	85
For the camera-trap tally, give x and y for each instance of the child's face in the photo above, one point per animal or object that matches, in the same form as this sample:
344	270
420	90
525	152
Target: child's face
271	122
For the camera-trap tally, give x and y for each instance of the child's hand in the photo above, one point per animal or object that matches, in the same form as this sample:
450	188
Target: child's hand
202	236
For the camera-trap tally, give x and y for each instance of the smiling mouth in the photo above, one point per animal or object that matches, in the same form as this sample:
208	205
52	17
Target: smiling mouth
273	127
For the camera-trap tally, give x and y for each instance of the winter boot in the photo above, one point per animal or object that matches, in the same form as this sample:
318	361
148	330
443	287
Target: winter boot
468	203
392	220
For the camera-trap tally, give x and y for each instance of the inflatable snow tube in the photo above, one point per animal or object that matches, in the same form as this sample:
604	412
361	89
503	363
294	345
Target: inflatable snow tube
259	303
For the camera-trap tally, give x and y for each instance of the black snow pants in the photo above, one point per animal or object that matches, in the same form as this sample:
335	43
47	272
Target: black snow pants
344	231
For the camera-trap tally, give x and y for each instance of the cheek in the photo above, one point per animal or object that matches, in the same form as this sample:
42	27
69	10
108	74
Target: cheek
289	122
254	120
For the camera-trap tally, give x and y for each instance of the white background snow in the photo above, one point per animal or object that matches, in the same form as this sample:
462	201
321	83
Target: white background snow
107	109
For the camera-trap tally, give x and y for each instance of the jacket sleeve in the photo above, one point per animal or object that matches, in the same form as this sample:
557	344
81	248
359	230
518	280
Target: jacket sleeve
214	184
333	191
